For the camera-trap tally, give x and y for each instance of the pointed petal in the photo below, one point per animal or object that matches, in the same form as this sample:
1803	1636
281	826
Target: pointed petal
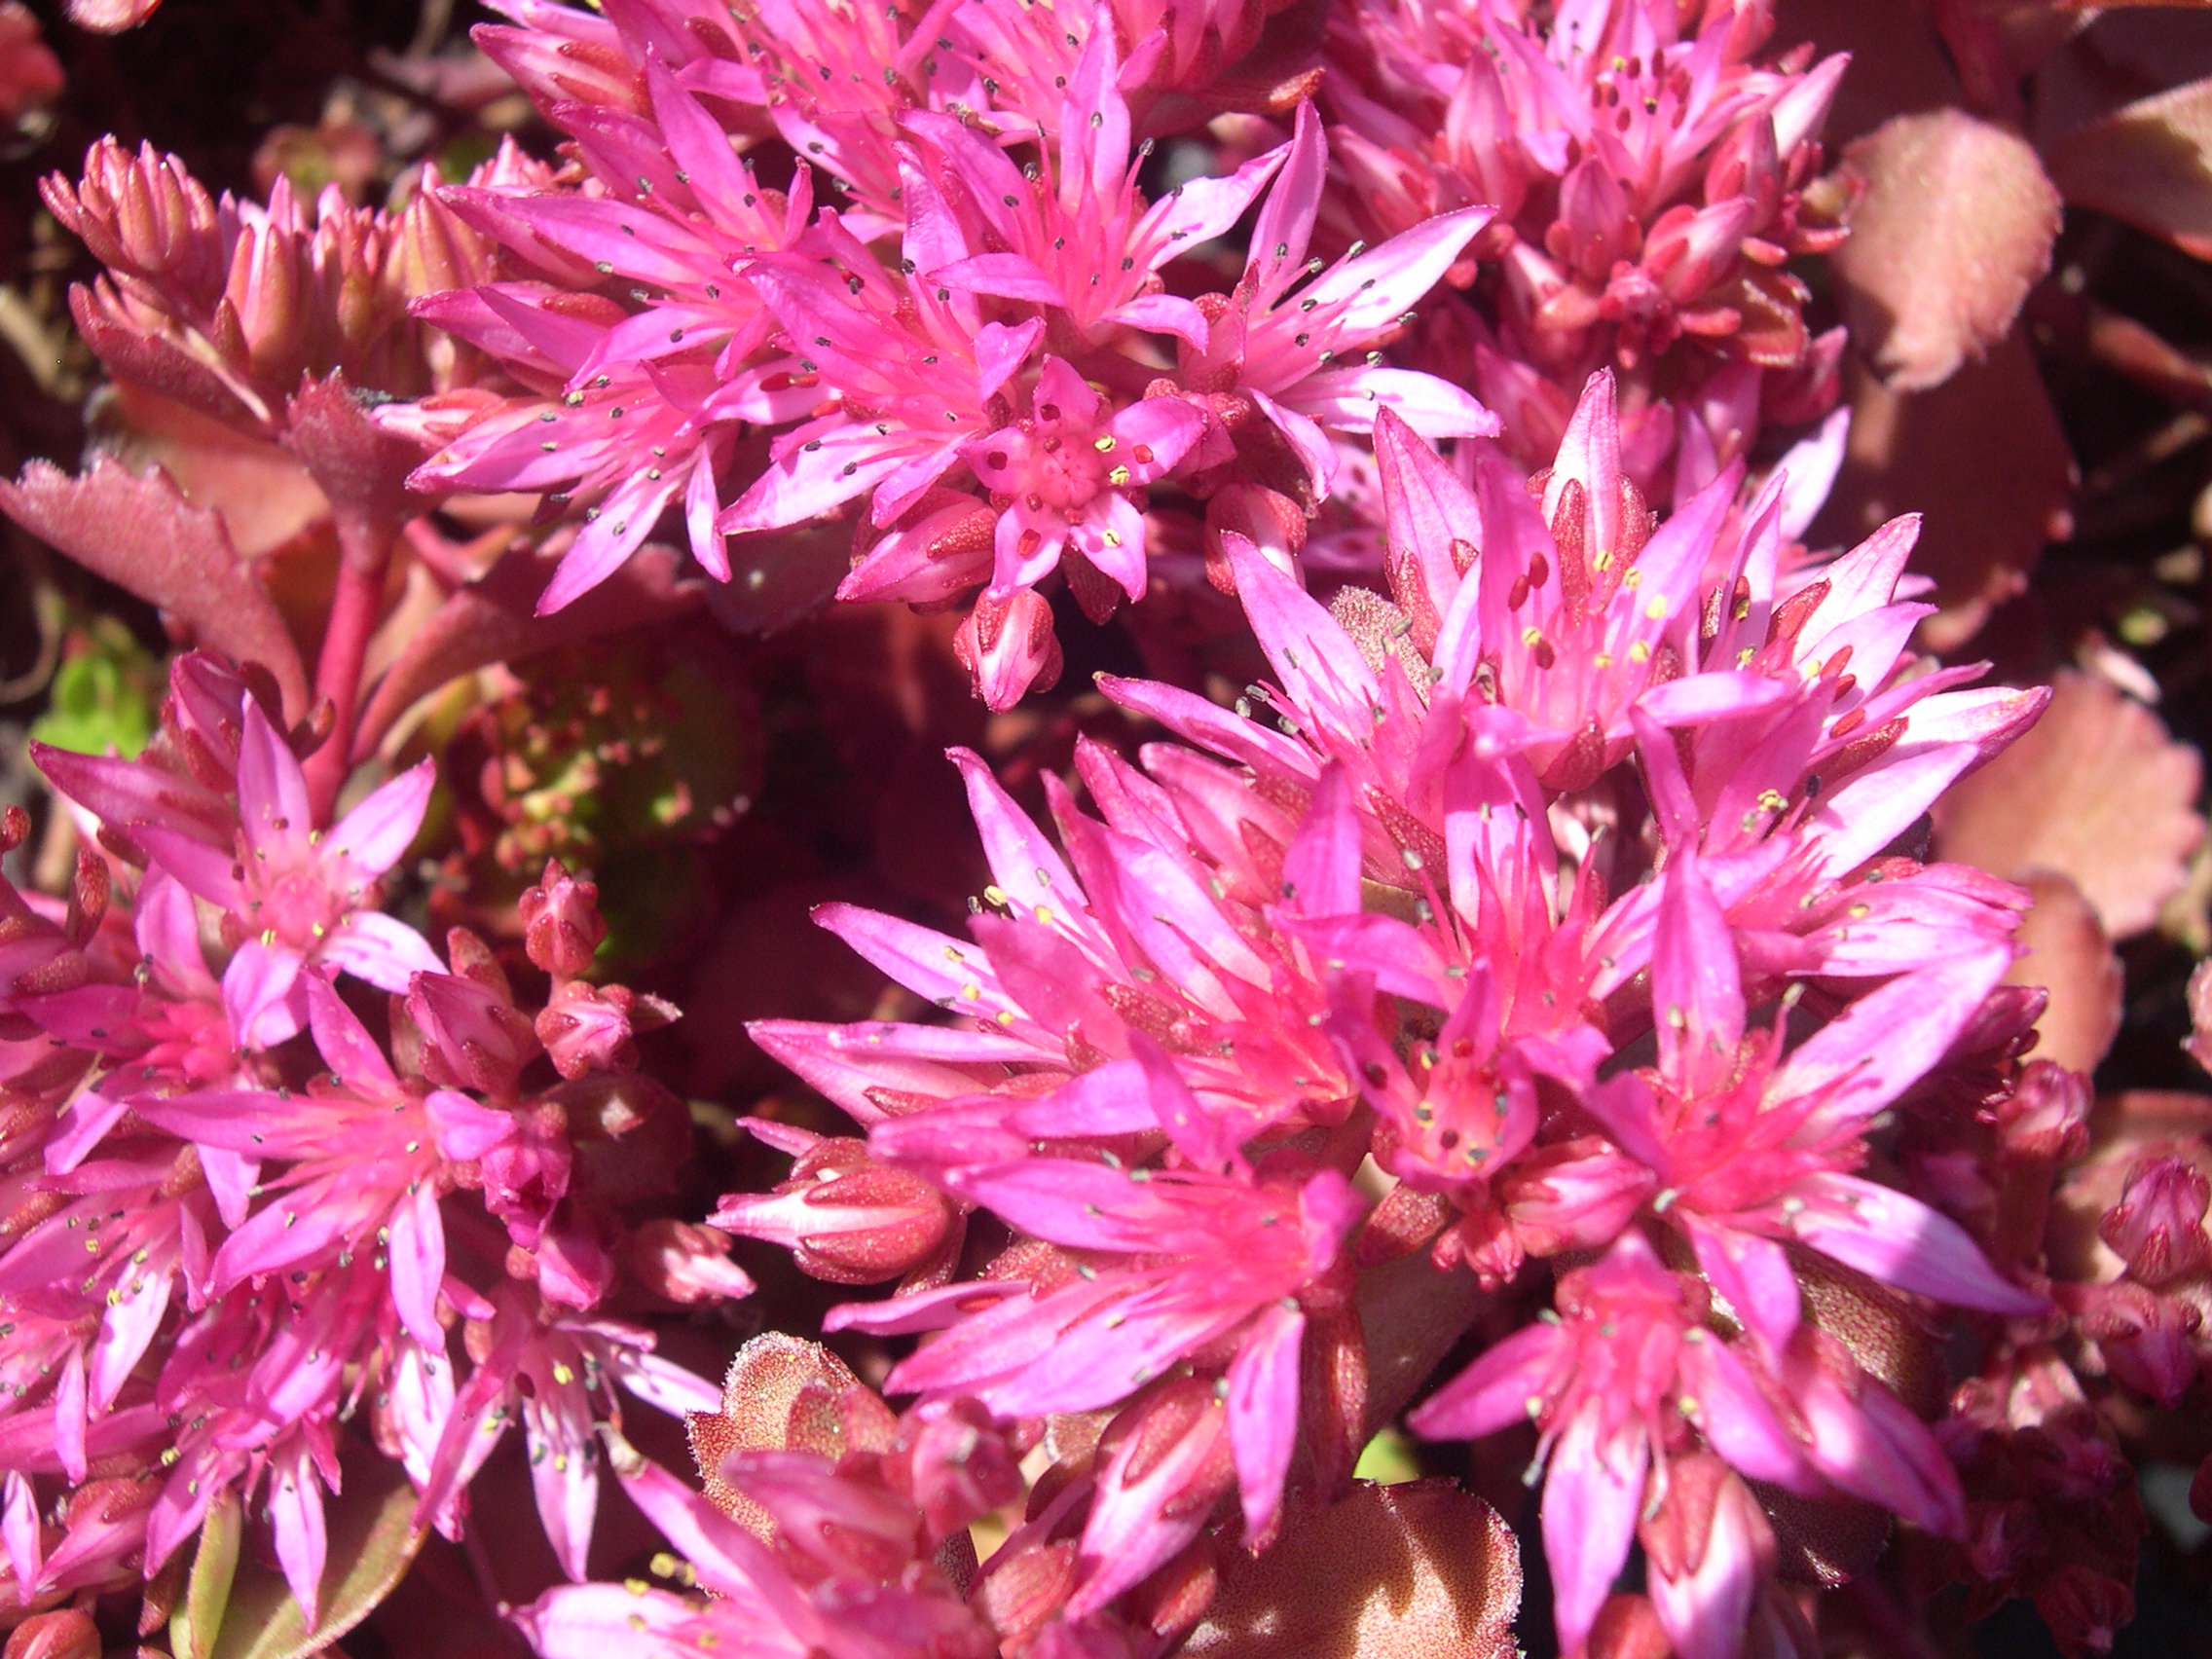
1901	1242
1262	1416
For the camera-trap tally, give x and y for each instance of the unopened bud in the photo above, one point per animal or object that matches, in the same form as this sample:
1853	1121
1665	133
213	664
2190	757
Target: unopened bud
848	1219
683	1262
2159	1223
64	1634
1008	646
562	927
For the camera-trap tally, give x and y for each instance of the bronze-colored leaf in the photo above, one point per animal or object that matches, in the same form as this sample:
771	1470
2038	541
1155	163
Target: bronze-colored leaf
784	1393
140	532
2068	954
1421	1571
1981	458
2095	791
1955	227
2150	164
372	1540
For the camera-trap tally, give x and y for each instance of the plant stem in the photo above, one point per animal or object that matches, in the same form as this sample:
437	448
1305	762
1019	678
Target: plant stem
338	677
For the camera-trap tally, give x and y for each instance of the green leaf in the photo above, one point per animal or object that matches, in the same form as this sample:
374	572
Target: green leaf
208	1592
372	1540
103	695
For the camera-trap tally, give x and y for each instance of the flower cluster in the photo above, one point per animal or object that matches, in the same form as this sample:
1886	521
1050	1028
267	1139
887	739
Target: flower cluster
1568	1019
245	1202
1563	915
1005	341
1650	178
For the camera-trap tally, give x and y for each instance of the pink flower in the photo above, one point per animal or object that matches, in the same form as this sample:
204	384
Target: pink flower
1064	478
1207	1258
1751	1148
291	893
1630	1375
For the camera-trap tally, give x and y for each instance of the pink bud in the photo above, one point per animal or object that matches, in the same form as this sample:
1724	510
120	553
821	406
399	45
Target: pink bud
1690	249
1710	1551
2159	1223
64	1634
1576	1195
1007	646
1596	226
2045	1119
939	549
1271	521
2083	1607
588	1028
471	1037
1628	1627
1164	1463
957	1467
2145	1338
848	1219
685	1261
562	926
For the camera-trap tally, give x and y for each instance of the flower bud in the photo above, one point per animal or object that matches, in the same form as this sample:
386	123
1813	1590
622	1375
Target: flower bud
957	1467
1163	1464
1709	1552
1009	646
2045	1118
562	926
2159	1223
64	1634
471	1037
848	1219
685	1261
588	1028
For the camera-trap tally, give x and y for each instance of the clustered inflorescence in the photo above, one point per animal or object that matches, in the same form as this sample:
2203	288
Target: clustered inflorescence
1530	1016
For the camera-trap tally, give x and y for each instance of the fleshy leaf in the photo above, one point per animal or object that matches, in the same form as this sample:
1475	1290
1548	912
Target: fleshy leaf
1955	227
2095	791
372	1540
140	532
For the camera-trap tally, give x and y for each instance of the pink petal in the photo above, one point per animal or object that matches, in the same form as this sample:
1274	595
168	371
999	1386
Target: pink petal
272	790
261	994
1593	1491
69	1416
1262	1416
1901	1242
377	831
19	1531
1495	1392
1697	988
295	1507
1885	1042
1751	1273
381	950
418	1253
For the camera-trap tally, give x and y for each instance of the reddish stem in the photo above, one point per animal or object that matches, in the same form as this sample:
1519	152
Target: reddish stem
337	679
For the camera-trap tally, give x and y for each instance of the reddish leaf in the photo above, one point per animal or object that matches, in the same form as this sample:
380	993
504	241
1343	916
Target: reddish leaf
1421	1571
361	468
139	532
1955	227
784	1393
494	619
2150	164
2069	954
2095	791
1982	456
